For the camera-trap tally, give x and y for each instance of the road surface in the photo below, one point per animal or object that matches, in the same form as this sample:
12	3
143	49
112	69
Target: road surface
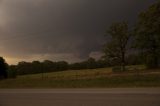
81	97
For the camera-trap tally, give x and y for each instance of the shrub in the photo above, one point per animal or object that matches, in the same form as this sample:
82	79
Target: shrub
117	69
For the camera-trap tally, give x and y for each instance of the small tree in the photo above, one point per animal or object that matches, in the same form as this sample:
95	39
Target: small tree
147	34
116	48
3	68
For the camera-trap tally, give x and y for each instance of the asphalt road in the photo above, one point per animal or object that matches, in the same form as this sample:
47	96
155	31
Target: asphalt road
81	97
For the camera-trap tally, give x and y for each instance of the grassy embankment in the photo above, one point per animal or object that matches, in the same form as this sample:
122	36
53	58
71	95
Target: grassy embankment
91	78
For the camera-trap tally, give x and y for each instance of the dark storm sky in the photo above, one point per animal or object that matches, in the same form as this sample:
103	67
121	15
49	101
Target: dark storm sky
70	30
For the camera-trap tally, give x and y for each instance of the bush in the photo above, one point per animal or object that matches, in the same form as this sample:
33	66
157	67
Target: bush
151	63
117	69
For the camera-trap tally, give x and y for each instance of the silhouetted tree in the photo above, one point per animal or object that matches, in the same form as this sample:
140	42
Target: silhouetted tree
78	66
116	48
49	66
24	68
102	63
3	68
12	71
62	65
91	63
147	34
134	59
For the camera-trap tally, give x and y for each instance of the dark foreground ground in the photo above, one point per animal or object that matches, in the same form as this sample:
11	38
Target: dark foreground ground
81	97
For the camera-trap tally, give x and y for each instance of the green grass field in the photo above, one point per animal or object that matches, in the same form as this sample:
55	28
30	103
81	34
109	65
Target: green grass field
90	78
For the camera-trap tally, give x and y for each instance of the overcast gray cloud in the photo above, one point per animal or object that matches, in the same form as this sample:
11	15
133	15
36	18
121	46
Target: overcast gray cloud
60	29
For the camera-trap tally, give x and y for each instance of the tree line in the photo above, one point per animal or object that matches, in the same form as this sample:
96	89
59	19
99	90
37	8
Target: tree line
24	68
35	67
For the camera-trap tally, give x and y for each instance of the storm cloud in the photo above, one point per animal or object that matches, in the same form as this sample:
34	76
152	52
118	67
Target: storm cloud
70	30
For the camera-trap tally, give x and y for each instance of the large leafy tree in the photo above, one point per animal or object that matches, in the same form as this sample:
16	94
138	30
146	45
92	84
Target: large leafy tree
116	48
3	68
148	34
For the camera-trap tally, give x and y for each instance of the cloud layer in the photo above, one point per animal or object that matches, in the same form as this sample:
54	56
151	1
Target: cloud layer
68	30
